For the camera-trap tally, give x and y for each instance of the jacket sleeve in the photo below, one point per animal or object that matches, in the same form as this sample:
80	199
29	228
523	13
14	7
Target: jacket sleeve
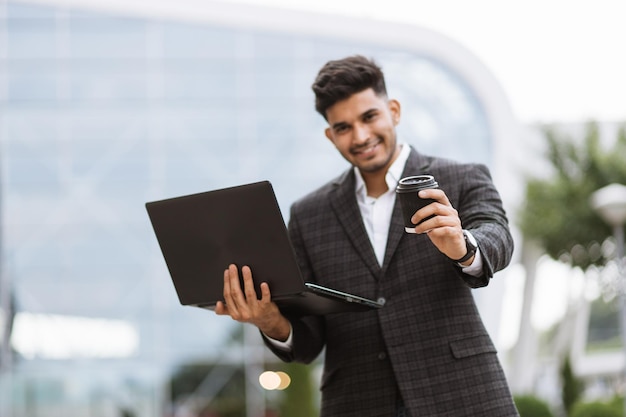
308	332
481	212
307	336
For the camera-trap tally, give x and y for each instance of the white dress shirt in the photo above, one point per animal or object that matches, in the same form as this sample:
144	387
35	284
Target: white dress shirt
376	212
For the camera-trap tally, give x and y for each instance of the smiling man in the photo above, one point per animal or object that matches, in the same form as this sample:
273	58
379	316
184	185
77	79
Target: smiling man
426	352
362	128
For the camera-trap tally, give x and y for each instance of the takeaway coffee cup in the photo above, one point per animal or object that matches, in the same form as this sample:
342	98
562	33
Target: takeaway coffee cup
407	190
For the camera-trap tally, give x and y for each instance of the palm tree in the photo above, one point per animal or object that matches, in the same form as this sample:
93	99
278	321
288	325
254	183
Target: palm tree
557	213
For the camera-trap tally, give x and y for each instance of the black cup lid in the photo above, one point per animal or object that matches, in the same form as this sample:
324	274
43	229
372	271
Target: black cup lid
417	179
417	182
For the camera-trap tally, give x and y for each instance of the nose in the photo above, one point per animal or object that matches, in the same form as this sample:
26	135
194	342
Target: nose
361	133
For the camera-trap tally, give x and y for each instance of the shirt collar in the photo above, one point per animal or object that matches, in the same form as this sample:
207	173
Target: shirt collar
394	173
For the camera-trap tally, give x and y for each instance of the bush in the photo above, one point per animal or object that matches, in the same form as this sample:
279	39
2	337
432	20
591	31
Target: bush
598	409
618	403
531	406
572	387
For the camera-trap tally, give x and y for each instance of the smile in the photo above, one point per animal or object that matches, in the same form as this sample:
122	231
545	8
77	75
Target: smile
367	148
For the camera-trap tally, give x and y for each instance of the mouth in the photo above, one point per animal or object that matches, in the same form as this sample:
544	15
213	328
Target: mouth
366	149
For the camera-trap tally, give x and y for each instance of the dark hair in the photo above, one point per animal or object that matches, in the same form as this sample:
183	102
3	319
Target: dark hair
338	80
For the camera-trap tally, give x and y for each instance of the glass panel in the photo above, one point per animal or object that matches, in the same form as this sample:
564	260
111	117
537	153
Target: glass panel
104	113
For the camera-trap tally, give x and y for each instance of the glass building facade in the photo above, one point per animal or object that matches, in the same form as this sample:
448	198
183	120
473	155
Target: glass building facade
100	113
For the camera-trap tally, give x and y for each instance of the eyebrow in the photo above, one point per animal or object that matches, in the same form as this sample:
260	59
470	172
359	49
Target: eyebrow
370	111
339	124
365	113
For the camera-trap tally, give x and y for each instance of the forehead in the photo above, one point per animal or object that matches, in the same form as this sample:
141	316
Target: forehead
355	105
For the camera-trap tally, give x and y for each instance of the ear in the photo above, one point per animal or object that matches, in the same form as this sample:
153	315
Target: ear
329	134
395	110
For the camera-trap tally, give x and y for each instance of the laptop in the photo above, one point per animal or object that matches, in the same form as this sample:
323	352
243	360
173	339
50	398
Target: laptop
201	234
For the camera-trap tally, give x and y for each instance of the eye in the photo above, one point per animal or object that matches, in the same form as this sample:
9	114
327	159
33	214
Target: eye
368	117
341	129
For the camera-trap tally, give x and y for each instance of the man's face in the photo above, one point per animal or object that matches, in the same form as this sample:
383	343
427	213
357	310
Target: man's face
362	128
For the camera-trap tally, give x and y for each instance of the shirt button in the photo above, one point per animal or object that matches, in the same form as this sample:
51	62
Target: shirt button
382	356
381	300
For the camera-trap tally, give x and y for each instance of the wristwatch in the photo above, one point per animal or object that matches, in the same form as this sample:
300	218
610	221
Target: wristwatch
470	244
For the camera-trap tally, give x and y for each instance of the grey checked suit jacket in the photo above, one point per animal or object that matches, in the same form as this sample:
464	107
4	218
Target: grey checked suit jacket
427	343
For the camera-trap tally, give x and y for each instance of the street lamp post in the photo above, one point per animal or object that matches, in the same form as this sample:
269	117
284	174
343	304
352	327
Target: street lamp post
610	203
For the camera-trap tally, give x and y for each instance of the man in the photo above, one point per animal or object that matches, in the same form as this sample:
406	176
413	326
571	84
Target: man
426	352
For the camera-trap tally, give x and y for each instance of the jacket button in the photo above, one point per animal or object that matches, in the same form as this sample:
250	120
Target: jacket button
382	356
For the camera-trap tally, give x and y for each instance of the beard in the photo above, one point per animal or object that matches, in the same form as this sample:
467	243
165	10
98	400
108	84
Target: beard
376	164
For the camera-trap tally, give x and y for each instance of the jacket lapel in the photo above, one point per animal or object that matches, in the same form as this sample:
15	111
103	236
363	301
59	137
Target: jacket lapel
347	211
416	164
396	234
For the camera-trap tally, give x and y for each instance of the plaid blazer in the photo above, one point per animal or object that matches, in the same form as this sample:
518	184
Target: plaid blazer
428	343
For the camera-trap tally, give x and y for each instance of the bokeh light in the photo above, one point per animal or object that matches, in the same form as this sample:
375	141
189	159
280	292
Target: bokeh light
271	380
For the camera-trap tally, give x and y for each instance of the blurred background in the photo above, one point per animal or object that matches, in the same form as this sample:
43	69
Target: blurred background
107	105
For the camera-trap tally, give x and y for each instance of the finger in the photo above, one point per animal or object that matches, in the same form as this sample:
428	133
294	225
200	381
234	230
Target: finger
444	218
443	232
426	213
435	194
226	291
248	284
423	213
230	302
236	294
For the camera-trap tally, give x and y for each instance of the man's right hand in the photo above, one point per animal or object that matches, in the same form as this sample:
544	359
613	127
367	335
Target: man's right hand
245	307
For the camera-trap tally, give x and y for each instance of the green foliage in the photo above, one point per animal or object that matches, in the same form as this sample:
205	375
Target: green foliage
229	400
227	385
618	404
557	212
571	387
531	406
299	399
613	408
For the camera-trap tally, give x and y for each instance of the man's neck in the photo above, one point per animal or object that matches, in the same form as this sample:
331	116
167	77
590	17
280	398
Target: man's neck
375	183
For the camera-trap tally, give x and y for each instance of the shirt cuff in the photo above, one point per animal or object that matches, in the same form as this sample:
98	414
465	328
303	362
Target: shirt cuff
287	345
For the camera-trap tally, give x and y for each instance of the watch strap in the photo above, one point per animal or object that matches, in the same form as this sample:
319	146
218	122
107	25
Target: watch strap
471	249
